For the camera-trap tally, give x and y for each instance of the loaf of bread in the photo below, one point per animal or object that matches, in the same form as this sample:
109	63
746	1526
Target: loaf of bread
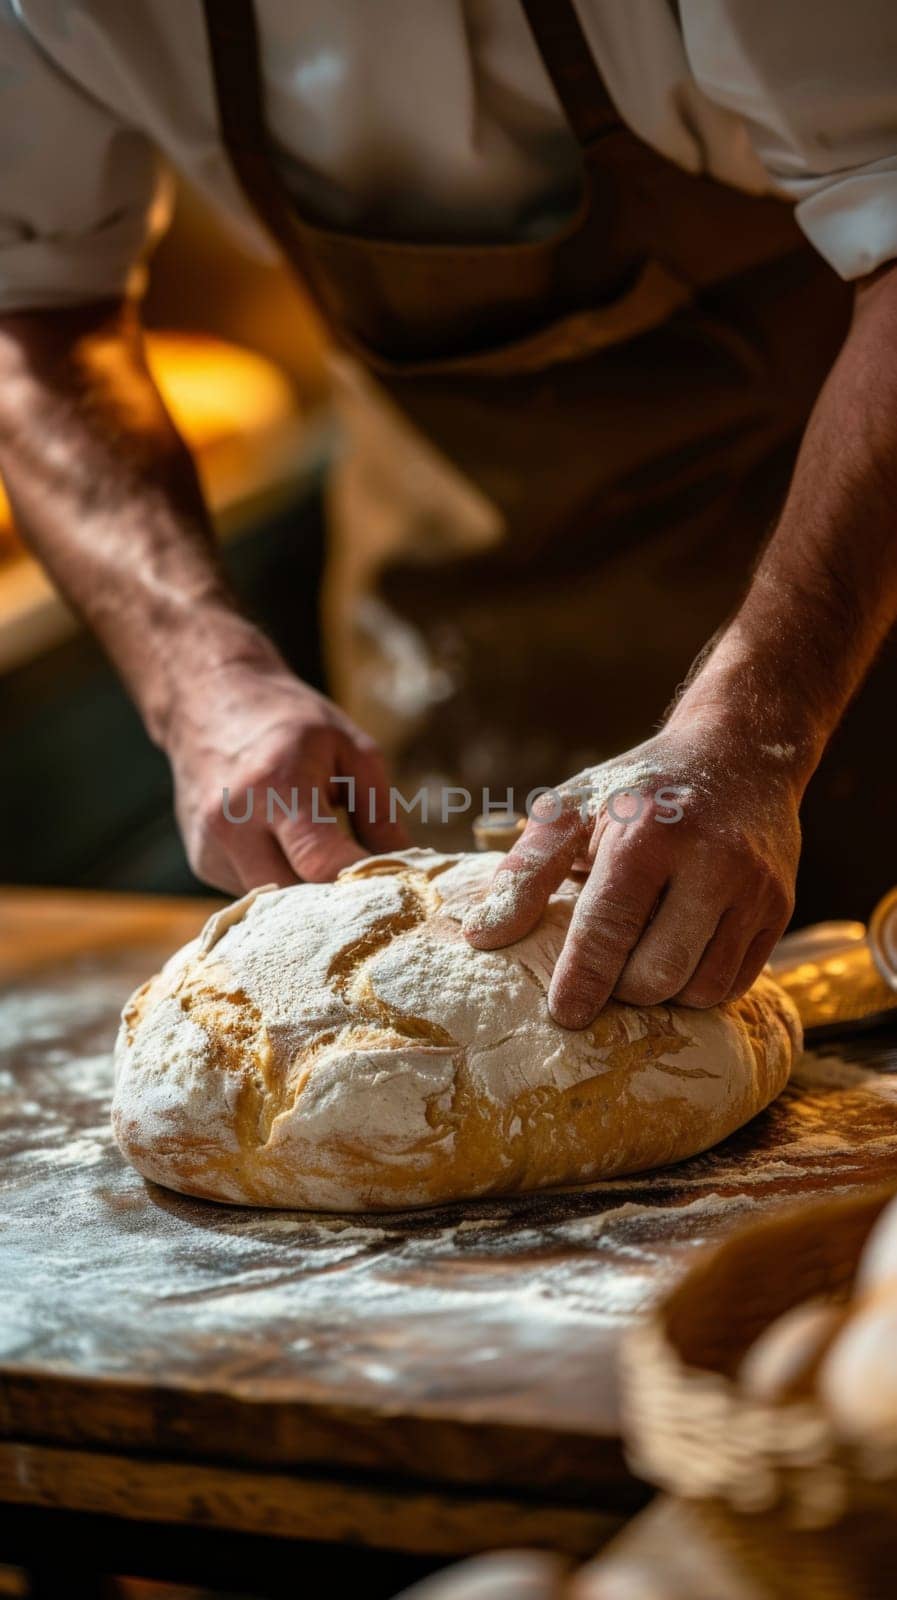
342	1047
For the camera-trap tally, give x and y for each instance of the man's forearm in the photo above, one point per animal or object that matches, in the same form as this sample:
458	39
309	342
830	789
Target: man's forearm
105	492
824	593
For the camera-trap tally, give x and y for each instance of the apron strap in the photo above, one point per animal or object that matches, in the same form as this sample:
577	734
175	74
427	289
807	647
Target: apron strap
233	38
234	48
572	68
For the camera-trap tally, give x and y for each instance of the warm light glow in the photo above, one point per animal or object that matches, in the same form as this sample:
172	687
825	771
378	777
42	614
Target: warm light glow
6	533
217	391
223	399
846	985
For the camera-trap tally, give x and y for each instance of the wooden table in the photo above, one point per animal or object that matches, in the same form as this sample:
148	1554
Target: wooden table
431	1384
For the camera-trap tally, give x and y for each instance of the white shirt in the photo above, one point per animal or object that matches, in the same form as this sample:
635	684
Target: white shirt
430	118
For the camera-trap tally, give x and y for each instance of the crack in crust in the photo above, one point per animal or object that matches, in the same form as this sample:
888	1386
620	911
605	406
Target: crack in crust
348	972
238	1040
239	1044
476	1133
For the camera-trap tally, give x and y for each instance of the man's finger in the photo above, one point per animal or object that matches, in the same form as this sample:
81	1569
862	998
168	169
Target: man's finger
672	946
532	870
219	873
371	817
608	920
257	858
759	952
713	977
314	843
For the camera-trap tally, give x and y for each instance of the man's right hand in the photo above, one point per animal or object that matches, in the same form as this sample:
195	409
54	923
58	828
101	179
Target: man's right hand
252	727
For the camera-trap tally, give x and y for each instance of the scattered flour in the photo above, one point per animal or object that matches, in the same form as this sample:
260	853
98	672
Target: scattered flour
591	789
498	1308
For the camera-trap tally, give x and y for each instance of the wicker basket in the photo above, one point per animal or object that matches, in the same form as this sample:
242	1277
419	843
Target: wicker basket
802	1513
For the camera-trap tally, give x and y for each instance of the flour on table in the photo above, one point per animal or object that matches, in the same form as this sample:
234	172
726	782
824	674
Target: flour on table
503	1305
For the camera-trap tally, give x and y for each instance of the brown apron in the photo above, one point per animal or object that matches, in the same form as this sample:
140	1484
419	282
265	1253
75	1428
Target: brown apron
564	452
422	309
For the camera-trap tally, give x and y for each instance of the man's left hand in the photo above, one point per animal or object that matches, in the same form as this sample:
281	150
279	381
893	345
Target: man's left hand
690	843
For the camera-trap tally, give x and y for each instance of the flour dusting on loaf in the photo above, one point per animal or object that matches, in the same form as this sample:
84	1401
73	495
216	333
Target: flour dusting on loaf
341	1047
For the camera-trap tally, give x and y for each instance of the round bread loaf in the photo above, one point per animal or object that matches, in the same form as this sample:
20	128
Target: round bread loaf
341	1047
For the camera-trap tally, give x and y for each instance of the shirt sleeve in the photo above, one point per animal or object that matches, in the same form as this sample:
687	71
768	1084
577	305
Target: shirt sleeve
817	88
82	194
851	215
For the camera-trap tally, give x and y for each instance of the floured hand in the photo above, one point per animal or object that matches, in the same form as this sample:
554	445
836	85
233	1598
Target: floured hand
690	842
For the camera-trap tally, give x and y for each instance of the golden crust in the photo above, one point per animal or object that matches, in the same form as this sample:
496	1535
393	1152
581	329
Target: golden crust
241	1118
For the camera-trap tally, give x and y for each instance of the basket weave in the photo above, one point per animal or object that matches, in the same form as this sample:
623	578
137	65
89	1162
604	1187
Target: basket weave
803	1512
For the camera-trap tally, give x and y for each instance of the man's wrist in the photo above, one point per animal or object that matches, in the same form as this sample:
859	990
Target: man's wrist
759	697
193	660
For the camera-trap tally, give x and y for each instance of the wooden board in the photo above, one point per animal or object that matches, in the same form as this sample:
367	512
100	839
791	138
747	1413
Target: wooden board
467	1351
290	1506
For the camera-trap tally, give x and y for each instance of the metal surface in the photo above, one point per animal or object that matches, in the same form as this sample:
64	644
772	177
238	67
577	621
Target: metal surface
883	937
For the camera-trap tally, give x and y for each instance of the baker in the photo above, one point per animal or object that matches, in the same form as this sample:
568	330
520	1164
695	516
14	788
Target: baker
557	236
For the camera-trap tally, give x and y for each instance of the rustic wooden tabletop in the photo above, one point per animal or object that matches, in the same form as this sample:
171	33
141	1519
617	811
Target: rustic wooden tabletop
433	1383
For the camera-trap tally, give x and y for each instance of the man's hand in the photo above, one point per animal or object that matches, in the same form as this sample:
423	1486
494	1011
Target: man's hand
690	910
690	842
254	729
